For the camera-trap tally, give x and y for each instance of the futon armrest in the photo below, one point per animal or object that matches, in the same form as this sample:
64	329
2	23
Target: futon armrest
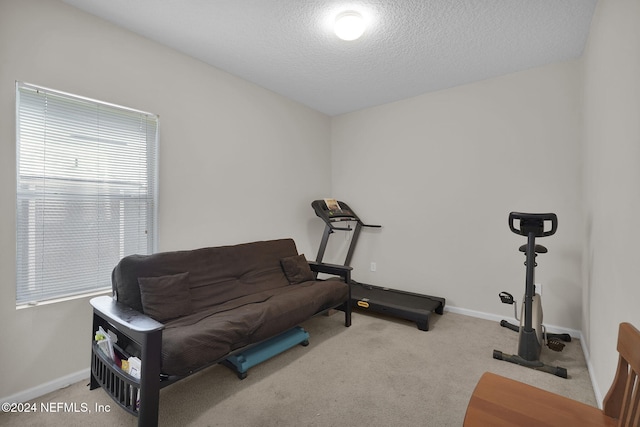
146	333
124	318
338	270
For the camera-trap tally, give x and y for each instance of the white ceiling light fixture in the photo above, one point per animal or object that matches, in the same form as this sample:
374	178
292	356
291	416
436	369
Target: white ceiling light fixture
349	25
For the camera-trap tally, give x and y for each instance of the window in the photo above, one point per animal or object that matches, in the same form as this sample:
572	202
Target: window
86	191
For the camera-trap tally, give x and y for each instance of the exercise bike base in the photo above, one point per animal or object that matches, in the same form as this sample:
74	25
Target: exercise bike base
533	364
549	335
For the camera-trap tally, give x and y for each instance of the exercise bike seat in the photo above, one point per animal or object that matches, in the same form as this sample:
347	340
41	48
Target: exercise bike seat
539	249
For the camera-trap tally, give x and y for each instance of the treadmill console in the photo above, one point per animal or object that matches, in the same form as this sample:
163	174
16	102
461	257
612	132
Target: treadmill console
331	210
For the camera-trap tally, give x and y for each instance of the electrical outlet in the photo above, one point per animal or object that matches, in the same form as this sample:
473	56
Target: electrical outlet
373	266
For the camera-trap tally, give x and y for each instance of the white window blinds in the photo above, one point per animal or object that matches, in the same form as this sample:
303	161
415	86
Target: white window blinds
86	191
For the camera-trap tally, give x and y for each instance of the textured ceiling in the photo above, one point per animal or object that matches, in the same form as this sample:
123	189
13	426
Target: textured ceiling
409	48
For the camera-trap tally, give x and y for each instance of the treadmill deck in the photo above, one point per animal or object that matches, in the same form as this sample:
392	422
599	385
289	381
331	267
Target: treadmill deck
406	305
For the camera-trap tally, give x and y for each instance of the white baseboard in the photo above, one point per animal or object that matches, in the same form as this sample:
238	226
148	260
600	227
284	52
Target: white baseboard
594	384
550	328
497	318
49	387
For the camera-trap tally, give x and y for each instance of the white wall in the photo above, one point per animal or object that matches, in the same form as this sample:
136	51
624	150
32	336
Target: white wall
442	171
237	162
612	181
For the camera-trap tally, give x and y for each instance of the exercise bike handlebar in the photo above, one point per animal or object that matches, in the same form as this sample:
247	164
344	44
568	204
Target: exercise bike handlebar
533	222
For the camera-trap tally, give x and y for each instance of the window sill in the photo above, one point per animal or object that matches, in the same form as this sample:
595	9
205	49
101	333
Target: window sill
63	299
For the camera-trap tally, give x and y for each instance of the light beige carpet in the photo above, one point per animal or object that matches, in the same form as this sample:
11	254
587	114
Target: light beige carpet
379	372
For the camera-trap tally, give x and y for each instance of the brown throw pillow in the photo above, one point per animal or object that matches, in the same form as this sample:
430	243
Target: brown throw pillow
296	268
165	297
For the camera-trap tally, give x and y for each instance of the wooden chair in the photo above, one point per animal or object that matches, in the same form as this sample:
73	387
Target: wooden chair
499	401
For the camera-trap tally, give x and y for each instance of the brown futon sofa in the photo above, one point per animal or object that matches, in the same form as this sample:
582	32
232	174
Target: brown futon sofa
182	311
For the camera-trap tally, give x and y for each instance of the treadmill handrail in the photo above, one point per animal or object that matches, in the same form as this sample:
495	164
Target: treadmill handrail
341	228
333	227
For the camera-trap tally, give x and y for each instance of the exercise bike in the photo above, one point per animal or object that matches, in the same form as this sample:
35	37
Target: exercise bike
532	332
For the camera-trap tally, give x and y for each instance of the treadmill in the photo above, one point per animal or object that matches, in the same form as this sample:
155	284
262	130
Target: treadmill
406	305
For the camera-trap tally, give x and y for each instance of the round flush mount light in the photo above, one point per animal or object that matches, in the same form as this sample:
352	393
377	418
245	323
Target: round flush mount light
349	25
